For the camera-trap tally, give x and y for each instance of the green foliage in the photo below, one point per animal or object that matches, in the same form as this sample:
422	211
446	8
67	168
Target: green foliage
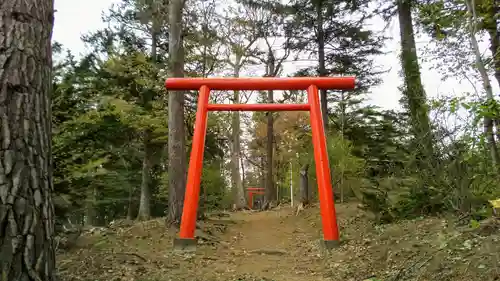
349	45
348	169
109	112
214	188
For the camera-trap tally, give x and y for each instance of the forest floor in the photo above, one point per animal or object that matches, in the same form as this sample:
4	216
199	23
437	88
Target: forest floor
277	245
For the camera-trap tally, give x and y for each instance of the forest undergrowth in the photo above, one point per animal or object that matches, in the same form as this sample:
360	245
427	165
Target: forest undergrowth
280	245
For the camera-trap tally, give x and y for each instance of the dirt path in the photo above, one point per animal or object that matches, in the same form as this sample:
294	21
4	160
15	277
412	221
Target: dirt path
267	245
256	246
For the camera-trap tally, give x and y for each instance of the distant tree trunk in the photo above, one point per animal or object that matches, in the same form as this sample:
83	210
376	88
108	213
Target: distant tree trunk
130	207
495	50
262	171
91	207
270	193
237	184
321	61
102	218
414	93
26	188
304	189
243	180
200	213
488	121
144	212
176	134
491	26
304	185
342	129
278	176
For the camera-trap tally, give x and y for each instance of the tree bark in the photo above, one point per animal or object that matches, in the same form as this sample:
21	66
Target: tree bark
176	133
26	188
414	91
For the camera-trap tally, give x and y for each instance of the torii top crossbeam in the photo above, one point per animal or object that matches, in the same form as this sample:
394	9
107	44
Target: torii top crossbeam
261	83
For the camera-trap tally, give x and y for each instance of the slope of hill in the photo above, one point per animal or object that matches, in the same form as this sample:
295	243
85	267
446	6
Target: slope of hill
277	245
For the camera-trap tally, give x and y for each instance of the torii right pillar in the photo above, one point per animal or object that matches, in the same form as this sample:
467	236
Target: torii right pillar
323	175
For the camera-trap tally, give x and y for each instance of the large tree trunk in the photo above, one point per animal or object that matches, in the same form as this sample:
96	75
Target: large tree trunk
26	188
176	141
237	184
414	93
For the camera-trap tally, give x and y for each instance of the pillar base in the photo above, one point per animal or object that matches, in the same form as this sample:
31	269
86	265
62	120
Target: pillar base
330	244
185	244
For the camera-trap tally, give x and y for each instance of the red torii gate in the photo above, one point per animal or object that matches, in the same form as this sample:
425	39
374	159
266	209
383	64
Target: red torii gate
186	238
251	192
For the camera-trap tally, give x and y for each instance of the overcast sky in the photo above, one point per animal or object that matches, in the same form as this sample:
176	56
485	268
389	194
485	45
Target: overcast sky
74	18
